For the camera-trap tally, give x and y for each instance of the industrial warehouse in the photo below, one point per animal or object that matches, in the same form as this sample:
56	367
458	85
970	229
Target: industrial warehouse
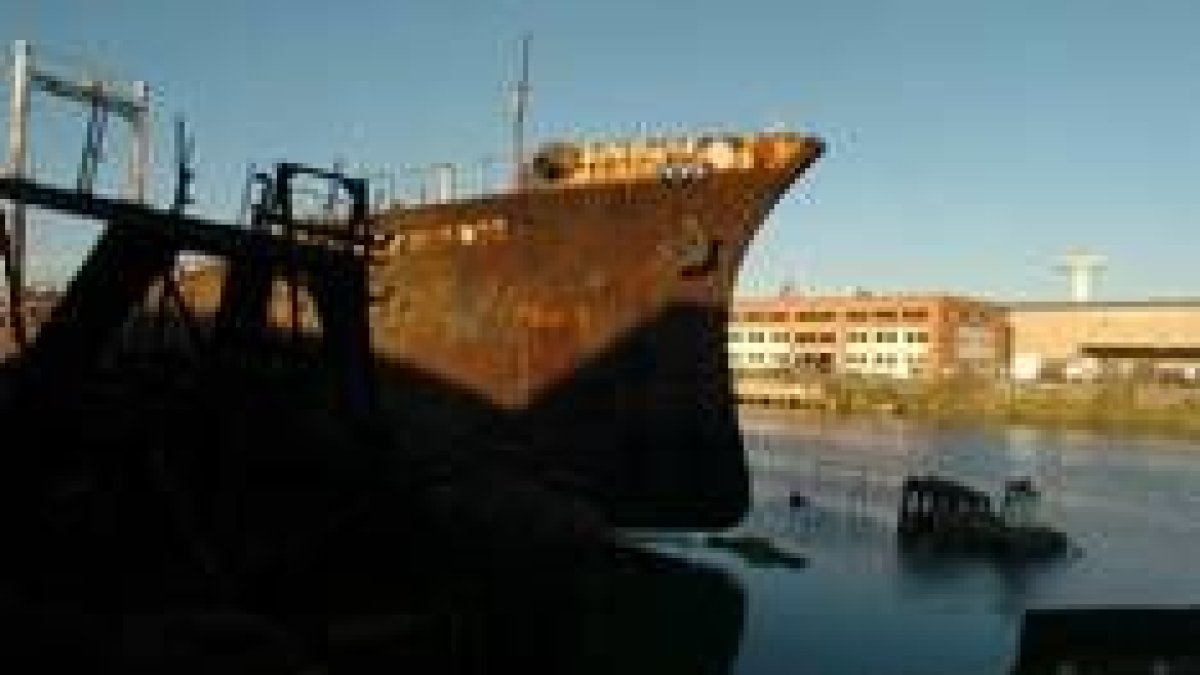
1083	340
931	335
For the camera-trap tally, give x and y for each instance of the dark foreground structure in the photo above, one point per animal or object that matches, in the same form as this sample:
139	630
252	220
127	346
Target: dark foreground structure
271	457
1109	640
376	442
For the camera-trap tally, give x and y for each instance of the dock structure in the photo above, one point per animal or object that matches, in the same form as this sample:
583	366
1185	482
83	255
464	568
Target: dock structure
139	247
129	101
140	244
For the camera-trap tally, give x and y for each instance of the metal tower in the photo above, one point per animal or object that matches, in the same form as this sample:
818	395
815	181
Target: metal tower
1081	268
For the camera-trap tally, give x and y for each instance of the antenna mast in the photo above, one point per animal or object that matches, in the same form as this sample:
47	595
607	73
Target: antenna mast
520	101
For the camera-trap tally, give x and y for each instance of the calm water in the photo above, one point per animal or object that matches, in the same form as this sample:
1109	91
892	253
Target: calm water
1131	506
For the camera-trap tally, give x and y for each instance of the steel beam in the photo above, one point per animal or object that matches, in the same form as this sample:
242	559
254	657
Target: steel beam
195	234
18	163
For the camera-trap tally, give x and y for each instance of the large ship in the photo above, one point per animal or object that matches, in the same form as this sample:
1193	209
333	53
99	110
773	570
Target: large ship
565	332
583	316
341	416
571	329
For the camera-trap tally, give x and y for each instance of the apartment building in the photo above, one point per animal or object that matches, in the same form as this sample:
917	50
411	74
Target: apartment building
889	335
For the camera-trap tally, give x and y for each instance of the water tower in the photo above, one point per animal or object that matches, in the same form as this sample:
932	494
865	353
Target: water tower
1081	268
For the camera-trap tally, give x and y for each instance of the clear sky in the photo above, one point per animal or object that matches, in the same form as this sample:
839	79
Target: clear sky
970	141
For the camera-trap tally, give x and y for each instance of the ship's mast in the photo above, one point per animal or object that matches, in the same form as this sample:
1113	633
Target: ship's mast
520	101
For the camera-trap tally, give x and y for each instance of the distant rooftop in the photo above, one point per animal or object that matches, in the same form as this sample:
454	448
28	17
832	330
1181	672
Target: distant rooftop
1061	305
851	295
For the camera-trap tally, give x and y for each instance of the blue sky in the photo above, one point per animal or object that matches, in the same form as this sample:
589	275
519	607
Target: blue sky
971	141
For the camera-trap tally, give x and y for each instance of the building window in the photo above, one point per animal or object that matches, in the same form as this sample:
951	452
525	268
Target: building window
916	314
777	317
922	337
856	316
814	316
756	358
753	317
735	337
886	336
891	359
780	359
886	314
779	336
827	338
756	336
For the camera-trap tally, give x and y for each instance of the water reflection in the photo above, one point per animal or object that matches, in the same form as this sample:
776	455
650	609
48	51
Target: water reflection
634	612
815	580
1131	506
751	550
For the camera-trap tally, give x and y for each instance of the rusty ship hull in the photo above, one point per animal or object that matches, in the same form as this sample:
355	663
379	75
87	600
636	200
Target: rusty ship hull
592	318
573	331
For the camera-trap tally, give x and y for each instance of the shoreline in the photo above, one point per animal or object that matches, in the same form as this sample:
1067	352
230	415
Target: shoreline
1122	409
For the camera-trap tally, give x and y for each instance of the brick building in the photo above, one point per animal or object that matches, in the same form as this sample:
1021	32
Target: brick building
887	334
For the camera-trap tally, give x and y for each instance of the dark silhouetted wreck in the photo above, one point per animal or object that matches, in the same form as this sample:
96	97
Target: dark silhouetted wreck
937	514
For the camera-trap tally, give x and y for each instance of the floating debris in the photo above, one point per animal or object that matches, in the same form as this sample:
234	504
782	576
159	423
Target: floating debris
757	550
